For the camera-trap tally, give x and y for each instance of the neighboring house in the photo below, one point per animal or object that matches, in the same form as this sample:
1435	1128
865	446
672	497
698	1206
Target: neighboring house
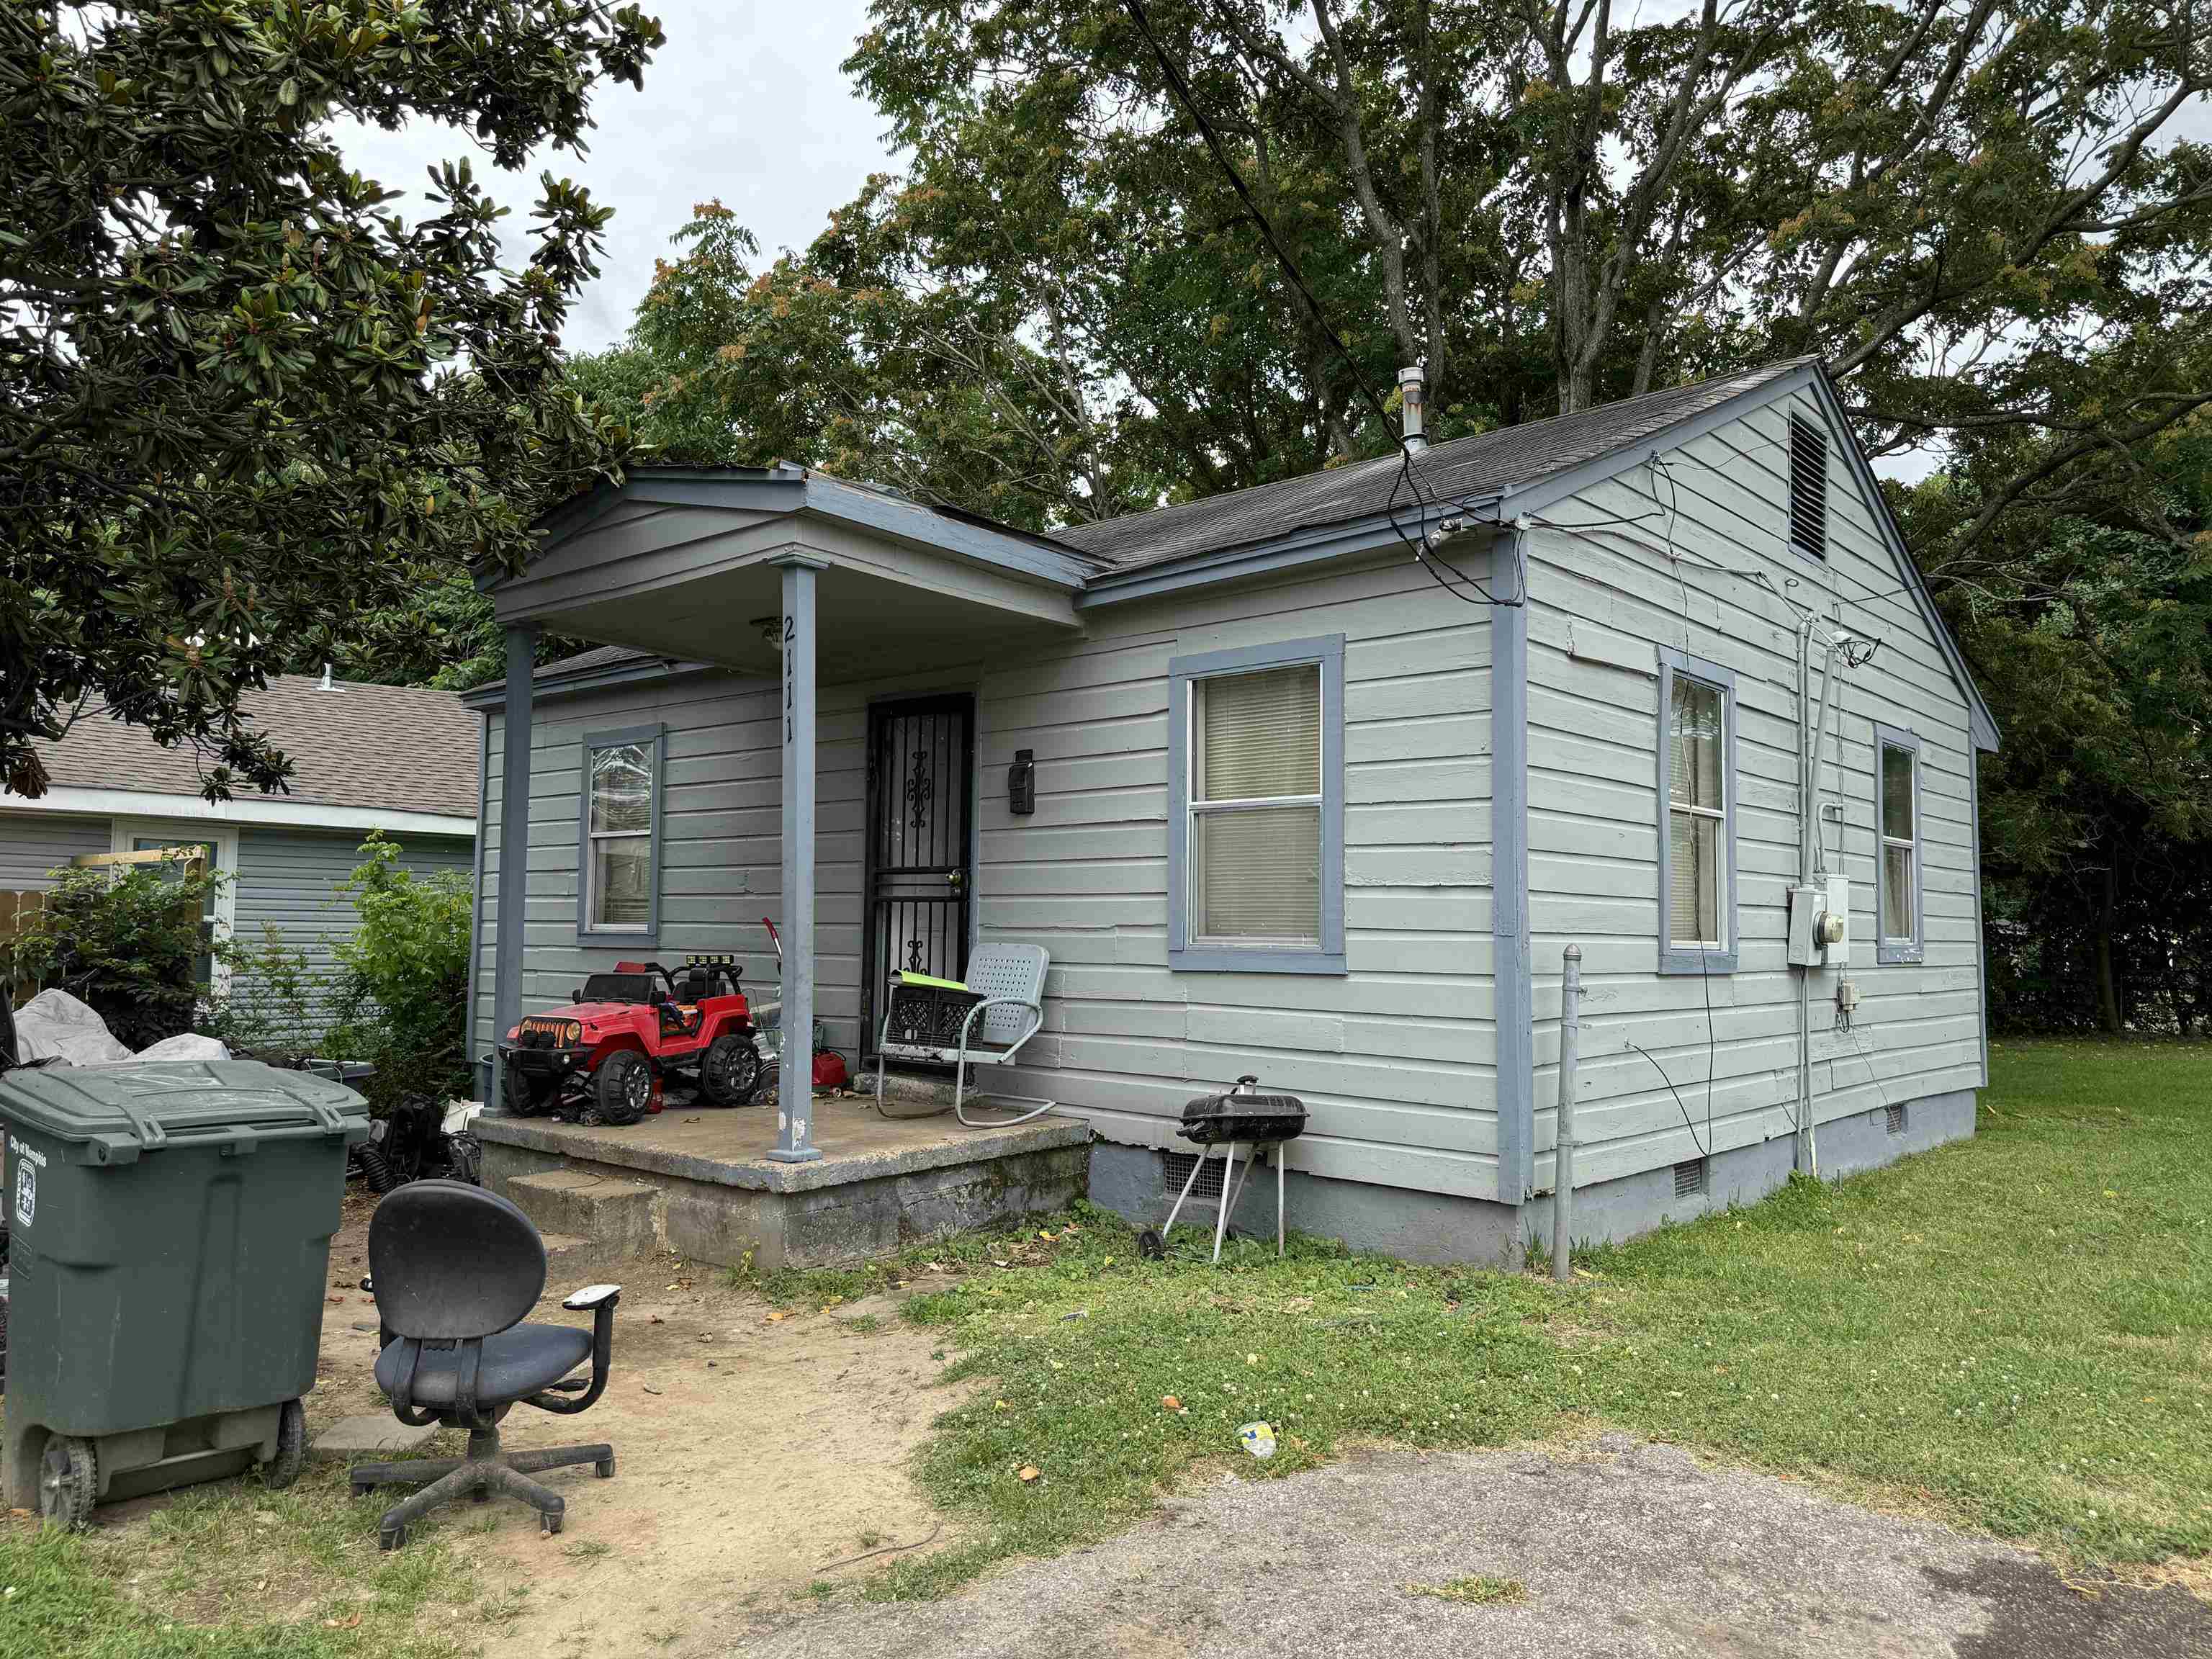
1304	805
401	759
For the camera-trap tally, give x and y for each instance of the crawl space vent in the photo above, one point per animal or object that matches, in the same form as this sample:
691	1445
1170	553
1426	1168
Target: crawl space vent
1689	1178
1808	487
1893	1119
1209	1177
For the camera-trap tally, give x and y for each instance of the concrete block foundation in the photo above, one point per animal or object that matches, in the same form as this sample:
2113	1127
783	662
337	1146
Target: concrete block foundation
701	1184
1439	1228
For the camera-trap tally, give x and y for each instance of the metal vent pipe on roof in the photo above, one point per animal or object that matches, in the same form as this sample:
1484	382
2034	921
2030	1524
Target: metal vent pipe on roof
1412	398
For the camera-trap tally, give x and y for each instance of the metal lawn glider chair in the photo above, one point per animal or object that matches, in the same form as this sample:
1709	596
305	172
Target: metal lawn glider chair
983	1021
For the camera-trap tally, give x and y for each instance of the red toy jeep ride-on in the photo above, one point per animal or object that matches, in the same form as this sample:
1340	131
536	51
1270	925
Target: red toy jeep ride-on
626	1032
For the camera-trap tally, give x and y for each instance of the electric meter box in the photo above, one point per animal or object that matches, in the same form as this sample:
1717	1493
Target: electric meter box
1821	924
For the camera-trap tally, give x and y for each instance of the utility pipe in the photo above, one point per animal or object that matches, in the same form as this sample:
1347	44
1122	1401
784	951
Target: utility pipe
1562	1176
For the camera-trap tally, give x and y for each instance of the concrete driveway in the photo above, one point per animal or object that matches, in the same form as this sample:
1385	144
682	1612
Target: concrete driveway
1625	1550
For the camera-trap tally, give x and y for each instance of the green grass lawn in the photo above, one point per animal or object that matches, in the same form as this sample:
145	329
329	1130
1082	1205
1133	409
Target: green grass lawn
2012	1333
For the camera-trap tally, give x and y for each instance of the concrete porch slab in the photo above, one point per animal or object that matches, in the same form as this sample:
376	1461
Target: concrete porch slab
715	1196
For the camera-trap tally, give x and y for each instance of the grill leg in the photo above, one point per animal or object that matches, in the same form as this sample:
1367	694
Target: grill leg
1189	1181
1278	1201
1227	1198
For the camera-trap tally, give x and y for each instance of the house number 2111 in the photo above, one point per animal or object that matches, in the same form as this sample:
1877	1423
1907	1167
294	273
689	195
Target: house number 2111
790	678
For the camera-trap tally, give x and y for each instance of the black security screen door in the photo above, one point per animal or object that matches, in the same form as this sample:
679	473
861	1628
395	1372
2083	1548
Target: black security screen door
921	760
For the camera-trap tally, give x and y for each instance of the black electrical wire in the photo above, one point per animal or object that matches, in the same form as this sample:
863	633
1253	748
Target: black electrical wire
1408	474
1688	1122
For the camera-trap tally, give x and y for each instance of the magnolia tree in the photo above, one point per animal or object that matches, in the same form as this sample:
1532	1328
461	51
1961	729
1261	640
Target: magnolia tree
239	397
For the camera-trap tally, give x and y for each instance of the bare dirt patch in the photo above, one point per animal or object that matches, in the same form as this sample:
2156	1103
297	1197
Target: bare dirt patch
752	1456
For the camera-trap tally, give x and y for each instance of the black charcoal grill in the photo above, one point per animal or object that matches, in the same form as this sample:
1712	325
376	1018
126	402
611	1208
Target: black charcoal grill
1241	1117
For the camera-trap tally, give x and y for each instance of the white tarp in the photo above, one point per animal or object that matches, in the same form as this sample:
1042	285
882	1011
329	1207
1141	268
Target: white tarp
185	1045
55	1023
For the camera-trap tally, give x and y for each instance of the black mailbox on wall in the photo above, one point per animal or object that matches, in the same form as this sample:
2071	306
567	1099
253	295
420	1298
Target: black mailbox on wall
1021	783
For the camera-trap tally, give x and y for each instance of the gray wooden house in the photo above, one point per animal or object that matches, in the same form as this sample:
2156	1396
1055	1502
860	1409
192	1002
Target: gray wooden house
1325	775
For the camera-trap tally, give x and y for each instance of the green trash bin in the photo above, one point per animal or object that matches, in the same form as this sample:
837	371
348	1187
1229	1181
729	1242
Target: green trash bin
171	1226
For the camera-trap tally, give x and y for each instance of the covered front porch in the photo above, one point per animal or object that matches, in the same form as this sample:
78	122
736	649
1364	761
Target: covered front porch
810	603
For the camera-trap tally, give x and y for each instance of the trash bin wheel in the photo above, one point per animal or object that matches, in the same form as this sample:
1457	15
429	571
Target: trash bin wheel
622	1088
68	1480
281	1470
1151	1246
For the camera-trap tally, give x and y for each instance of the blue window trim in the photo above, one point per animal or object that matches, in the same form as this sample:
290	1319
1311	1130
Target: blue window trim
1887	952
1672	960
1328	650
586	933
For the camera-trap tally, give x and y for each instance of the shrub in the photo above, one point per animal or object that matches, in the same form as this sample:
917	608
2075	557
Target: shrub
128	942
403	998
277	1006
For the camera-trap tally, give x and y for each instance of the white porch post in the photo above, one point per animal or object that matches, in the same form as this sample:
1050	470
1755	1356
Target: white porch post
513	846
795	1075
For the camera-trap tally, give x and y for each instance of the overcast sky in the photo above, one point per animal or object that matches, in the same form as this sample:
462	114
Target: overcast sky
745	102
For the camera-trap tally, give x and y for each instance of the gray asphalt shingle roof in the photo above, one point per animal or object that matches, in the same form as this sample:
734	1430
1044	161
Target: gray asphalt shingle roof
392	748
1463	469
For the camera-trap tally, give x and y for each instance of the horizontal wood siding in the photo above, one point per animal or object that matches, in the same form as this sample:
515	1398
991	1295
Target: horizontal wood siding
1394	1059
289	883
32	846
1604	599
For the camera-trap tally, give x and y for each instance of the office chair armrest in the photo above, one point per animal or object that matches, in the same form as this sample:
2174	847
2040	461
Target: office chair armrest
600	1299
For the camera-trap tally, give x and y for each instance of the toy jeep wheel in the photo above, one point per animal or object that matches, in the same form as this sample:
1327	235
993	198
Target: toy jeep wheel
68	1480
731	1073
622	1088
525	1095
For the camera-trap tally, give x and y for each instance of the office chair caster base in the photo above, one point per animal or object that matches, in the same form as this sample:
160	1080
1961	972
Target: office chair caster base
550	1523
604	1468
391	1538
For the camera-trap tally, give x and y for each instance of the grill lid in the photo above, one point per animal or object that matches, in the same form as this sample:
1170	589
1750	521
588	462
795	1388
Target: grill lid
1243	1114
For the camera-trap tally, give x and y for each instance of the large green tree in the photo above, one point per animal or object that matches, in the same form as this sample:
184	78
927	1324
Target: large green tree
240	398
1984	215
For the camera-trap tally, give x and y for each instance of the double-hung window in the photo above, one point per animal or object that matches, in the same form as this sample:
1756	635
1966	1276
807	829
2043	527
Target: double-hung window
619	850
1257	841
1897	838
1697	815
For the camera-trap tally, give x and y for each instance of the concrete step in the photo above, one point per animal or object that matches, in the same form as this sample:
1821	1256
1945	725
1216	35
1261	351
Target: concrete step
611	1216
565	1252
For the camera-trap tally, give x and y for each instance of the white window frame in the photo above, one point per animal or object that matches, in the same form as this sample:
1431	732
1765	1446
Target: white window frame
122	832
589	932
1187	676
1888	948
1697	956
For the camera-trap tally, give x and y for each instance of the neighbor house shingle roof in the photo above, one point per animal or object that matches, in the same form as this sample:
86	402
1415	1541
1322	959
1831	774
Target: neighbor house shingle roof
1466	468
393	748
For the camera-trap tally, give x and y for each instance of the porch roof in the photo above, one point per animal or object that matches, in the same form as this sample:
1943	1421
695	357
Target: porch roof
683	563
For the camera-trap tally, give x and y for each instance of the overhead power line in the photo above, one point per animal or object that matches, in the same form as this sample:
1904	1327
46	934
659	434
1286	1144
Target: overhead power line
1409	475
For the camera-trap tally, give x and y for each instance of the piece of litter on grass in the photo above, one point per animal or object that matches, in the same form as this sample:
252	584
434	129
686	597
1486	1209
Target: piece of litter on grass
1170	1403
1080	1313
352	1623
655	1319
648	1388
1028	1472
777	1317
1048	1237
1258	1439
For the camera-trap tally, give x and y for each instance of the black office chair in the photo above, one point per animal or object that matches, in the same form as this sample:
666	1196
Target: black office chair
455	1269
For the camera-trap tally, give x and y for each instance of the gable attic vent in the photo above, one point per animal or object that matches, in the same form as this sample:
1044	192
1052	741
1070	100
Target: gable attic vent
1808	487
1689	1177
